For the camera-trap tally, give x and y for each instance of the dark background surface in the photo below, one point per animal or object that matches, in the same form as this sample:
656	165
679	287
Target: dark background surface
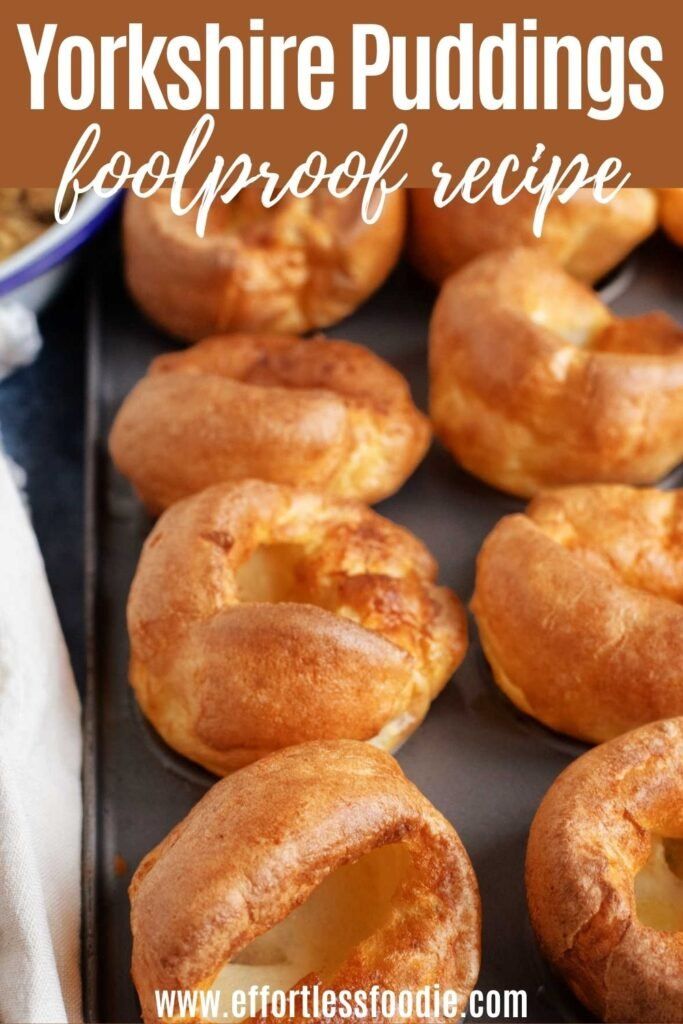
42	420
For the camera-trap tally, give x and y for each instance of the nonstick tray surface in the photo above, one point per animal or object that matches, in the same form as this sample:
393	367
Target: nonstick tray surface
481	762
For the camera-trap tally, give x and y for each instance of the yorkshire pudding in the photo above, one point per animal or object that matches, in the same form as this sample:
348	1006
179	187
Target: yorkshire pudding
320	864
303	264
327	414
671	213
586	237
262	616
579	605
605	876
535	383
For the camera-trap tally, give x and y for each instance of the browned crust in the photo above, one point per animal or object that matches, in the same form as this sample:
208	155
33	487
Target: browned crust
578	605
523	406
372	636
671	212
584	236
590	837
326	414
259	842
301	265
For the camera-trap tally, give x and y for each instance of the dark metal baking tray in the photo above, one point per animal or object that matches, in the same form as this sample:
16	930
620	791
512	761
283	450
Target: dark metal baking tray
482	763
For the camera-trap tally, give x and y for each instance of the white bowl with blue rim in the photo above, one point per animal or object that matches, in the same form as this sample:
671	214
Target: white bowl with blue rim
32	275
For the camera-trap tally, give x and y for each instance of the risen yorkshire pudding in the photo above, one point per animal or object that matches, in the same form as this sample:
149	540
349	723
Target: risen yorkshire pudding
262	616
327	414
584	236
579	605
605	876
320	864
671	212
535	383
303	264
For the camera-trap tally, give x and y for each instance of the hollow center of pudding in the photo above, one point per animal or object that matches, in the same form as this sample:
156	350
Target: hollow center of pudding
587	326
351	904
659	886
571	315
272	573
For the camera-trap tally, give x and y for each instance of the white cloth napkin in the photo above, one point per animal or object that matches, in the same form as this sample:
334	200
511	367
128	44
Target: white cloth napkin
40	791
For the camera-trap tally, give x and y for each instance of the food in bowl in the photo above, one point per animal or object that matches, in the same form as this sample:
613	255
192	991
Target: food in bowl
25	213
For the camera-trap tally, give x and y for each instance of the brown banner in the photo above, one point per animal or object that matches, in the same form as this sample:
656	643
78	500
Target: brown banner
39	142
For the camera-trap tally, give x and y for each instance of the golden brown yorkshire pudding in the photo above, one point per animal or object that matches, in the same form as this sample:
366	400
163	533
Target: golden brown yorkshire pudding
320	864
262	616
584	236
326	414
535	383
303	264
671	213
579	605
605	876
